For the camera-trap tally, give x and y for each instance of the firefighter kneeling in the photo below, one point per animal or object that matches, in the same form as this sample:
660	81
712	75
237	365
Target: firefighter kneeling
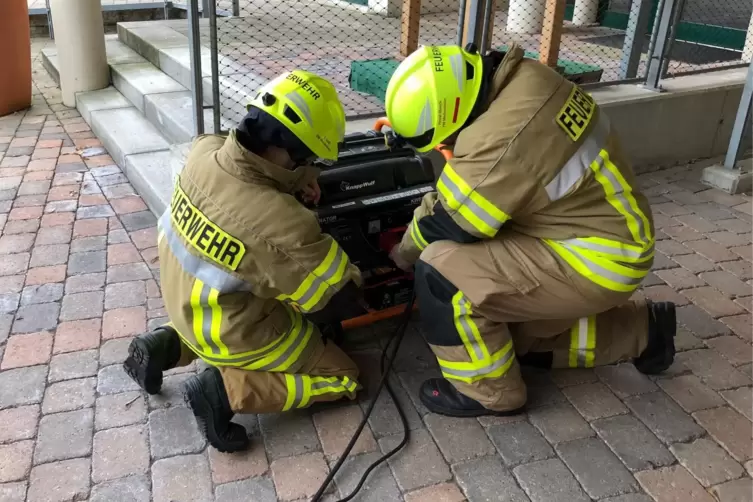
247	276
536	237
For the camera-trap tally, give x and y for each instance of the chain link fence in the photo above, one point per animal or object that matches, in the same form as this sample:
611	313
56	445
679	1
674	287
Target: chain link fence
341	40
709	35
357	44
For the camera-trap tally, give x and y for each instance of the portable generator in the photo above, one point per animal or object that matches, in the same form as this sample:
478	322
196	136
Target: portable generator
368	198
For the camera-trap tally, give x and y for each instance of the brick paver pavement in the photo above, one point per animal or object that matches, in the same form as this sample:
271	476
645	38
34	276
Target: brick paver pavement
79	278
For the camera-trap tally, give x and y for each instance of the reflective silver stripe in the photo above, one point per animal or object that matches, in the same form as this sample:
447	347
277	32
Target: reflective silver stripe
298	391
206	272
582	341
304	330
424	119
206	319
464	200
601	271
464	310
303	107
593	246
578	164
324	278
335	386
618	193
485	370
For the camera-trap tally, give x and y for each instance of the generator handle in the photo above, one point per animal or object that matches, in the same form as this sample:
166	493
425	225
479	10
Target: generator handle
441	148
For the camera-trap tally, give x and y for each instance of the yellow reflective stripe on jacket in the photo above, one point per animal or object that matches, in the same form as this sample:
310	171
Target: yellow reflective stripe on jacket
481	214
620	196
601	271
467	328
494	367
329	272
301	388
415	234
207	317
583	343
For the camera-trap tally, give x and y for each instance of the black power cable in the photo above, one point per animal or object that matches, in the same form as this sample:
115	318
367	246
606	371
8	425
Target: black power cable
385	367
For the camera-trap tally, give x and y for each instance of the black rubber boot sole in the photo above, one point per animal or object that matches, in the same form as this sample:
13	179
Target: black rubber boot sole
143	369
460	413
197	400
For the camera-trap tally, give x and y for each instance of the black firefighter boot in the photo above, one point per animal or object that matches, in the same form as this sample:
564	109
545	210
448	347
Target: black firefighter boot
659	353
150	354
441	397
206	396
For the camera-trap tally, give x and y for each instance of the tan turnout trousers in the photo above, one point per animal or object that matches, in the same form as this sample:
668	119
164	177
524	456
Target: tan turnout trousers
327	371
492	300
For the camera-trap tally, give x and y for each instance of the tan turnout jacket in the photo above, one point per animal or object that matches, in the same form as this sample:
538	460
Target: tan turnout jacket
241	259
544	161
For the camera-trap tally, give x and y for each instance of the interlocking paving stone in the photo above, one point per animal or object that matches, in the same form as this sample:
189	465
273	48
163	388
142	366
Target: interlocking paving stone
113	379
128	489
419	464
174	431
64	435
60	481
336	425
300	476
633	443
549	481
15	460
458	439
734	491
229	467
672	484
560	423
596	468
184	478
118	410
73	365
729	429
120	452
690	393
712	369
664	417
69	395
34	318
707	462
740	399
288	434
18	423
519	443
256	489
625	380
444	492
594	400
22	386
486	479
380	485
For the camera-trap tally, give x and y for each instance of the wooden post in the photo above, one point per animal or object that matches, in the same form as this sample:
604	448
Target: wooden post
411	24
551	34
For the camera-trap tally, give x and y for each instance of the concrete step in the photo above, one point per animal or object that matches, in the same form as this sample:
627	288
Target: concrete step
168	50
142	144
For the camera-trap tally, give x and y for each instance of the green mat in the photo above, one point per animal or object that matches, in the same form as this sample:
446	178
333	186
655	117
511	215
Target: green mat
372	76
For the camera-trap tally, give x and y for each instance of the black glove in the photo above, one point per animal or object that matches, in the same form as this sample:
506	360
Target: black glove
345	304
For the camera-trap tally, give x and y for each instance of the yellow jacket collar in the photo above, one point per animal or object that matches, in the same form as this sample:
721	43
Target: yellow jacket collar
249	167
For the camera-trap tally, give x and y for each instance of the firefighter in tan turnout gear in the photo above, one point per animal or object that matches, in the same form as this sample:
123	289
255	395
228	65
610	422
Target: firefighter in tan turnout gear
247	276
536	237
